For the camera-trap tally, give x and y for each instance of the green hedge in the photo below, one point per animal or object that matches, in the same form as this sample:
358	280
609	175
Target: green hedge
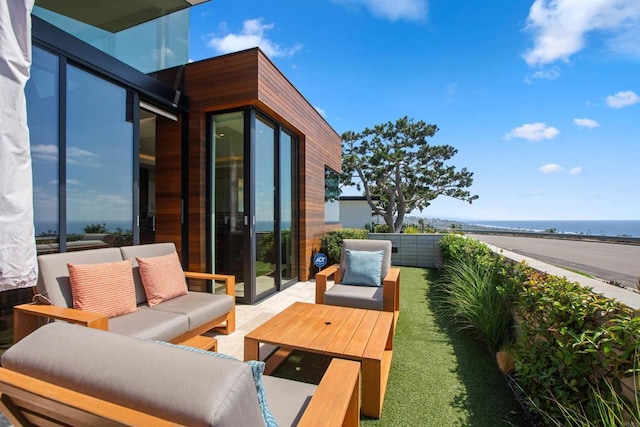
573	348
331	242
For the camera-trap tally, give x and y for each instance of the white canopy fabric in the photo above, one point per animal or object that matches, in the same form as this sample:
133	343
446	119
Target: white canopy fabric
18	267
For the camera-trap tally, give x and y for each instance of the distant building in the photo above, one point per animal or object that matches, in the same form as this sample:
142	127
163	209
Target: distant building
355	212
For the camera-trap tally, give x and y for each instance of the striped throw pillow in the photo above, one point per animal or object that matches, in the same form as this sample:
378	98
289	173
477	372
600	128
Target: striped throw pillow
105	288
162	278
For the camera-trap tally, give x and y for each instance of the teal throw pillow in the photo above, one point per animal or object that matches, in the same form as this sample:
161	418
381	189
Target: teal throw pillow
363	268
257	368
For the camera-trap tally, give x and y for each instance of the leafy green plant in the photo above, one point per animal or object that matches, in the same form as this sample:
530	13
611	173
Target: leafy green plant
410	229
331	242
381	228
570	340
95	228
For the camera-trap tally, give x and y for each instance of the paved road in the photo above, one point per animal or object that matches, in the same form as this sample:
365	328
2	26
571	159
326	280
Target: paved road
606	261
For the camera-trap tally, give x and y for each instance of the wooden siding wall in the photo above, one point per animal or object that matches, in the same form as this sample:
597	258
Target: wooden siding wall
319	145
169	182
249	78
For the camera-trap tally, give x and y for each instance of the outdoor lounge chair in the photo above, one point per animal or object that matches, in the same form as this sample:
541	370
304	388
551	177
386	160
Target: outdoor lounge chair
372	286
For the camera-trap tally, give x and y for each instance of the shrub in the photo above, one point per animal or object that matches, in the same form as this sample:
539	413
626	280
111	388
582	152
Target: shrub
381	228
571	341
410	229
331	242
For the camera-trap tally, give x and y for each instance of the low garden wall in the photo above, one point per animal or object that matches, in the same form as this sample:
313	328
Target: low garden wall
413	250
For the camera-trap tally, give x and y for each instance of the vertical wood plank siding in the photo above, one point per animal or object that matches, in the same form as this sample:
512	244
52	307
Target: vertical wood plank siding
243	79
168	182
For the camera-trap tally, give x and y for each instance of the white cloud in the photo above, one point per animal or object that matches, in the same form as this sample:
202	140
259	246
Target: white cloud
576	171
550	74
78	156
622	99
44	152
253	34
587	123
321	111
533	132
393	10
550	168
560	26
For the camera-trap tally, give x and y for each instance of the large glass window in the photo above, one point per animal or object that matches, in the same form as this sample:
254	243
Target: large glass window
254	212
227	148
288	217
331	196
266	251
99	161
42	92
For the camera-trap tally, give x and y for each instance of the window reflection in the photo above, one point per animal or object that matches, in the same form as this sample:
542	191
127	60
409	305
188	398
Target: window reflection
99	163
331	196
42	118
265	206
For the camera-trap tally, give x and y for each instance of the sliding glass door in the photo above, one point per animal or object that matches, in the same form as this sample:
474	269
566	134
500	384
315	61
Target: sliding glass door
253	203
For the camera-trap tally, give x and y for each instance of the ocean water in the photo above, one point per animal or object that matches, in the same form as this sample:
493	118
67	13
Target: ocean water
597	228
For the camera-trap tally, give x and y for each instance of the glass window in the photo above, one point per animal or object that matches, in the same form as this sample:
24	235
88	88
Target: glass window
99	160
331	196
42	92
265	206
227	183
288	218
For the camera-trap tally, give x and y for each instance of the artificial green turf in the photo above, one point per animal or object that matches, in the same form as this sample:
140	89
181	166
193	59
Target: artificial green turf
439	377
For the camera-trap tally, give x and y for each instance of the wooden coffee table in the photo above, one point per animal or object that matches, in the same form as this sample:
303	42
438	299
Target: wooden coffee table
344	332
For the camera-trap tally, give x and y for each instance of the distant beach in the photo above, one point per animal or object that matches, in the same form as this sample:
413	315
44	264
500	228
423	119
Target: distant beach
630	228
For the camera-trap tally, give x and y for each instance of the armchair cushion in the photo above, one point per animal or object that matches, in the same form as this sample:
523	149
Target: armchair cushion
162	278
363	268
366	245
105	288
365	297
257	369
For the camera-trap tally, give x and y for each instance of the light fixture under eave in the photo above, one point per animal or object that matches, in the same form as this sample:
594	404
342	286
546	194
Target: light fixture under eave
146	158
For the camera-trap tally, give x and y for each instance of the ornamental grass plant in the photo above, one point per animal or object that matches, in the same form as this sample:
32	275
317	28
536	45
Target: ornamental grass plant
474	299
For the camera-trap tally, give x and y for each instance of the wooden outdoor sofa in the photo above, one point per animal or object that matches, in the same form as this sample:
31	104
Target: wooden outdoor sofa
65	374
180	320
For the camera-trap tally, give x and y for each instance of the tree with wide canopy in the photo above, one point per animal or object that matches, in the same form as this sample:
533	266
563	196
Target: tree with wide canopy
395	163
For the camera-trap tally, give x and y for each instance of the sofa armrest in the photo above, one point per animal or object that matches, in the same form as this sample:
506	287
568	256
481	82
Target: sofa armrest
25	398
28	317
336	401
229	281
391	290
321	281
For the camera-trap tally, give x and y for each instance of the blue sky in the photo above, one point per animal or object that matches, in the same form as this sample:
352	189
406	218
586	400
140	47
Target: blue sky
541	98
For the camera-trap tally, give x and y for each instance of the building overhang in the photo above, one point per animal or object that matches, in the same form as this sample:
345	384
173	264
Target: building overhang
115	15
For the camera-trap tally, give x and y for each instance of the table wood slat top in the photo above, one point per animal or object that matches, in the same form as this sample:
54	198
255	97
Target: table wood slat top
340	343
361	336
339	331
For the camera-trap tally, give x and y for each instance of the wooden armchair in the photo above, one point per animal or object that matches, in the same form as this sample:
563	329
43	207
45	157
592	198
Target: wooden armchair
385	297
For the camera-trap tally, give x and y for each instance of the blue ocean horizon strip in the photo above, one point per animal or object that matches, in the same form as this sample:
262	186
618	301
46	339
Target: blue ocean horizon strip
595	228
